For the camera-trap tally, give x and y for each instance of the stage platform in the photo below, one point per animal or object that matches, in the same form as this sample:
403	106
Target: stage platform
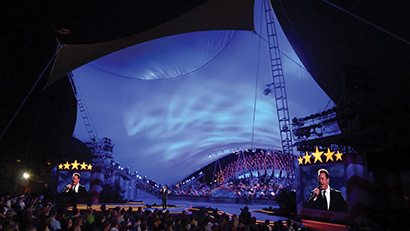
257	210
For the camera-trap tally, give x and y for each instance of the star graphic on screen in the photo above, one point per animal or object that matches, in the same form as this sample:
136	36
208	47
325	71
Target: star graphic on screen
75	164
329	155
83	166
307	158
338	155
89	167
60	166
300	159
67	165
317	155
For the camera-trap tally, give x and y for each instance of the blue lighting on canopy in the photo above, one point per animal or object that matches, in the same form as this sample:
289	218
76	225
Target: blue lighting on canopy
169	103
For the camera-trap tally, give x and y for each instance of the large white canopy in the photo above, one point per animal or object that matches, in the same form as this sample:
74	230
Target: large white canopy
175	104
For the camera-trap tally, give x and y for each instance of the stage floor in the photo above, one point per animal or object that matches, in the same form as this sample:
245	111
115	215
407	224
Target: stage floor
181	205
229	208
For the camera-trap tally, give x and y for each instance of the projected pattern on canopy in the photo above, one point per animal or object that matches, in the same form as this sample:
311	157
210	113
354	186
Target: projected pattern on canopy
166	129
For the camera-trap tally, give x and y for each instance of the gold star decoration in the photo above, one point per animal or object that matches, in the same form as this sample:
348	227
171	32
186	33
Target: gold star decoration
67	165
317	155
329	155
83	166
338	155
307	158
300	159
75	165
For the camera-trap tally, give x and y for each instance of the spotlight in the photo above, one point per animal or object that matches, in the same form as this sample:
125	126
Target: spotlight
267	91
26	175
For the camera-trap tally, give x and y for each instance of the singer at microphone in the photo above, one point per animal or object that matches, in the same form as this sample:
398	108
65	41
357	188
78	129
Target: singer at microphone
75	192
316	191
325	198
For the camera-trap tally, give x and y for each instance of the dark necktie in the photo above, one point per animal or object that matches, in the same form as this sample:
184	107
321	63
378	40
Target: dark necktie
325	199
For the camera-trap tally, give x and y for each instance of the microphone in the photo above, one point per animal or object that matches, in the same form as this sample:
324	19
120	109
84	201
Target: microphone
314	194
320	189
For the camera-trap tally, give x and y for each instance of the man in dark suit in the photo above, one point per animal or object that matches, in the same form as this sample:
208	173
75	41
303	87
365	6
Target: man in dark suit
325	198
165	193
75	191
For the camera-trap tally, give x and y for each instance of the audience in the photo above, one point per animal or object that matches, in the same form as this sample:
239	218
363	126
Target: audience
39	215
32	212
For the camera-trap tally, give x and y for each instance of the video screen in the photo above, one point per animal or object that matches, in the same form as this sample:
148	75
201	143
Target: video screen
322	190
64	178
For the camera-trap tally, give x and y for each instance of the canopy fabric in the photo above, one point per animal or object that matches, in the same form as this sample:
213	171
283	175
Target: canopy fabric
169	128
204	98
211	15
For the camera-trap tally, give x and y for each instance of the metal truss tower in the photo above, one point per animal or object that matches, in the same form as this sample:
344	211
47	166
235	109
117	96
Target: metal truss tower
278	83
100	149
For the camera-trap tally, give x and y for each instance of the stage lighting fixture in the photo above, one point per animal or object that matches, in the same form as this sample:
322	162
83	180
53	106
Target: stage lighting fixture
267	91
26	175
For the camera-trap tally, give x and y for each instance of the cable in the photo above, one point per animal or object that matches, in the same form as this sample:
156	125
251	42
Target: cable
294	61
256	83
287	17
368	22
328	102
29	93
